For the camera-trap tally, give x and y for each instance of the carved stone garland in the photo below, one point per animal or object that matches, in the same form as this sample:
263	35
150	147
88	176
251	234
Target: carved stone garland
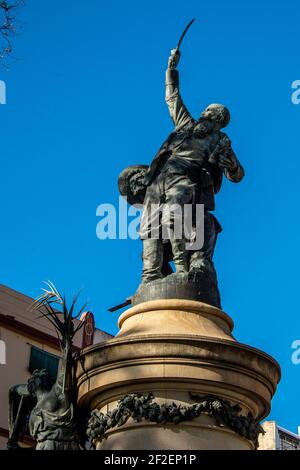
140	407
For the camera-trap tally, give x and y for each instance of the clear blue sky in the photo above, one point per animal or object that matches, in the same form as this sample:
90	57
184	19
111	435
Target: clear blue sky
85	98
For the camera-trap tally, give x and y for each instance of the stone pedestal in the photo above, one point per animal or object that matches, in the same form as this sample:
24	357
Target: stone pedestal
180	350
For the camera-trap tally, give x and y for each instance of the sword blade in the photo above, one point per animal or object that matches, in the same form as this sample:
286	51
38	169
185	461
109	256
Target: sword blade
118	307
184	33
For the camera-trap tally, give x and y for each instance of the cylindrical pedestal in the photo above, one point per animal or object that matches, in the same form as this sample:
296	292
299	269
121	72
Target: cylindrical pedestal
181	351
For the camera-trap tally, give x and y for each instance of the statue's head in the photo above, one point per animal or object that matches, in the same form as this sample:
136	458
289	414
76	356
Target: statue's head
217	114
39	381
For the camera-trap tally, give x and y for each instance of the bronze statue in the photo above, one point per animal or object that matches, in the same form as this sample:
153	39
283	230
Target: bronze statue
187	170
51	407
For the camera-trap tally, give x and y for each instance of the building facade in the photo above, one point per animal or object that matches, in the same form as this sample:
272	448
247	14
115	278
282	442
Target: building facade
278	438
28	342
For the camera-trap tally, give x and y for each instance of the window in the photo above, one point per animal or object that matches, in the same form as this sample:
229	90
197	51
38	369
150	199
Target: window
288	442
40	359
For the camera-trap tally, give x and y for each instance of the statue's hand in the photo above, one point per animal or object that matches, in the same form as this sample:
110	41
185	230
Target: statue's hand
227	160
225	143
226	157
174	59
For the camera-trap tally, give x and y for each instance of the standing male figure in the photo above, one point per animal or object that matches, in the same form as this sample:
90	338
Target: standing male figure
188	169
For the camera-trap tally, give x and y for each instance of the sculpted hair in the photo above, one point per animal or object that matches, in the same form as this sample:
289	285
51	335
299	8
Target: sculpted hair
44	376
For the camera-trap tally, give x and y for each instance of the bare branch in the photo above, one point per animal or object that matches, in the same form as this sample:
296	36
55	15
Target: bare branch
8	25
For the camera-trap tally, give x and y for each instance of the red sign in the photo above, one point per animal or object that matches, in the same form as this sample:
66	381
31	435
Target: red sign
88	329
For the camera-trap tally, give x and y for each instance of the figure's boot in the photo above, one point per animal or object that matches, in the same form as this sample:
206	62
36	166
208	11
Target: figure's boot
152	260
180	255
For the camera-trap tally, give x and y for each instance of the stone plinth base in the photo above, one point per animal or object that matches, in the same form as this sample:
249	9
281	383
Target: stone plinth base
181	351
197	286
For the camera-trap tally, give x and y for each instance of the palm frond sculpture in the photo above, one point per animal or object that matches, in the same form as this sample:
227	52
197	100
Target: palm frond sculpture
52	305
